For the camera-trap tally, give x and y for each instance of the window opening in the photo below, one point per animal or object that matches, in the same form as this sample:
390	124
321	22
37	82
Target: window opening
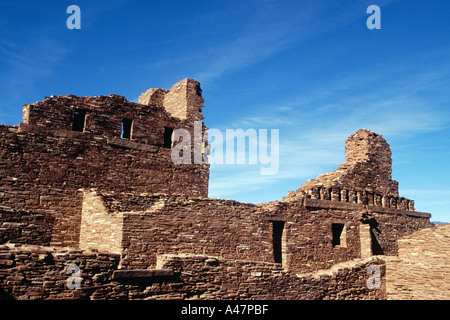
277	233
127	125
339	237
79	119
168	137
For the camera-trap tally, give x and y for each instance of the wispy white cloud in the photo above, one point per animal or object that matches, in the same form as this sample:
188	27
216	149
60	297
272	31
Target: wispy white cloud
36	58
399	109
264	33
272	27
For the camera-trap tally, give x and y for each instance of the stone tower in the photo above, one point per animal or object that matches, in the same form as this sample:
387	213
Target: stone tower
367	170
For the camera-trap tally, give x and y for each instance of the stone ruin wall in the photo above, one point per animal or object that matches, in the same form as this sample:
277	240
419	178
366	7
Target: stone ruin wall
365	177
40	273
151	225
44	161
124	207
421	270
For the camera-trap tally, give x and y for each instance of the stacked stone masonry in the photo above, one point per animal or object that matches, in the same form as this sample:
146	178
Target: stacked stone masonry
89	181
44	161
35	273
421	270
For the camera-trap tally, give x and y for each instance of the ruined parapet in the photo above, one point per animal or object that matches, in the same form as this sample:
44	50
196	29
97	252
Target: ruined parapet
183	101
365	177
154	96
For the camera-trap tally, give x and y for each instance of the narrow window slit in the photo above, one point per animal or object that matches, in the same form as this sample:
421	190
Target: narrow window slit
127	125
79	120
277	234
168	137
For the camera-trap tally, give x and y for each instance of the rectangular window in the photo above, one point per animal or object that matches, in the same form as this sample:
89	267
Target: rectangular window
79	120
168	137
127	126
339	235
277	234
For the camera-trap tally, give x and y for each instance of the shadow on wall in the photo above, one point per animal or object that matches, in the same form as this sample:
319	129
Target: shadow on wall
4	295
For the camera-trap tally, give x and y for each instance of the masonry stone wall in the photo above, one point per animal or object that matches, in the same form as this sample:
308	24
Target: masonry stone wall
174	224
365	175
100	229
159	224
44	161
22	226
155	224
421	271
213	278
184	100
90	181
309	231
31	272
36	272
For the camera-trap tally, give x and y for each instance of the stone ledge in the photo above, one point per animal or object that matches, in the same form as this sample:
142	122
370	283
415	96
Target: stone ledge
328	204
142	273
114	142
121	143
37	129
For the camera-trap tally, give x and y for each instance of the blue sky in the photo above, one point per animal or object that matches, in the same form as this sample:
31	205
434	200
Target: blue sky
311	69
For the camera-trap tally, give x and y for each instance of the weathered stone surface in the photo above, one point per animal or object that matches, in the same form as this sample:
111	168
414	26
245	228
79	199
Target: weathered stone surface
183	276
365	176
43	161
141	273
421	271
83	193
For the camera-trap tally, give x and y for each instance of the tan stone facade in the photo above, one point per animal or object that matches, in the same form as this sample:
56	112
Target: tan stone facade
421	271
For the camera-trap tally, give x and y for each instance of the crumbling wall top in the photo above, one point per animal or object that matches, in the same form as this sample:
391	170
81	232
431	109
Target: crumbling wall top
183	101
365	145
368	168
